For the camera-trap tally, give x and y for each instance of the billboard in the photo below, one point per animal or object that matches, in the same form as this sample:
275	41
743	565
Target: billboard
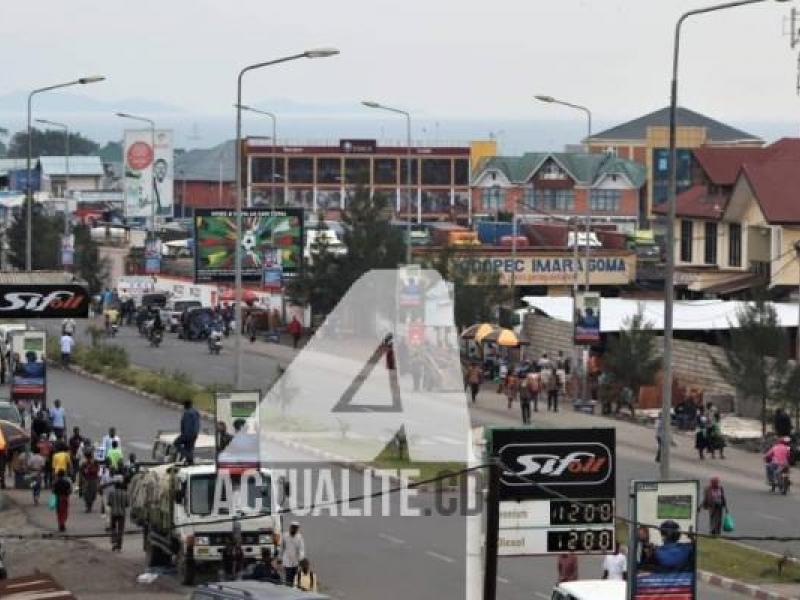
43	301
238	413
664	558
587	318
556	491
270	238
148	173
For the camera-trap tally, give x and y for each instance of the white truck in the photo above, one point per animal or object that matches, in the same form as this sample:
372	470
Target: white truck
174	505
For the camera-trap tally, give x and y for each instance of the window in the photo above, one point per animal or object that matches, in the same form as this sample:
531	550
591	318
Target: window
356	170
734	245
550	200
328	199
404	171
385	171
435	202
461	171
301	170
329	170
436	171
605	200
262	170
300	197
710	254
551	170
201	493
686	241
493	198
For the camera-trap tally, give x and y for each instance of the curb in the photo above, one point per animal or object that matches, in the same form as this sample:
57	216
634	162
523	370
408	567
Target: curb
740	588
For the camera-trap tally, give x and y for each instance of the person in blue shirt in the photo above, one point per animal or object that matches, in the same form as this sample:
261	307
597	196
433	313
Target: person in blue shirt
672	556
190	429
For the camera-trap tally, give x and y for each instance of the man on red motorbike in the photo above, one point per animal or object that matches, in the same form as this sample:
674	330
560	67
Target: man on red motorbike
777	459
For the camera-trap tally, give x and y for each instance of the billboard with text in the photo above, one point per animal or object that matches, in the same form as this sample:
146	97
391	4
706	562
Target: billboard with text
148	173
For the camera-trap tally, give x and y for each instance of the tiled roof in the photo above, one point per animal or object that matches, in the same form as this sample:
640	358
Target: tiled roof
78	165
722	164
776	185
637	129
585	168
696	202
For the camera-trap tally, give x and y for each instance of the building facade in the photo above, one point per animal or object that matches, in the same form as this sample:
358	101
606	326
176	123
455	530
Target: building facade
559	186
646	140
323	177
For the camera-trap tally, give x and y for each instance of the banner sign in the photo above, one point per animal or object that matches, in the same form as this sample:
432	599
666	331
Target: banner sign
586	319
538	269
238	414
556	490
149	175
264	232
43	301
665	558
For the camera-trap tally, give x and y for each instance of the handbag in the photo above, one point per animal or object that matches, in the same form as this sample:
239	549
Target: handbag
728	523
52	502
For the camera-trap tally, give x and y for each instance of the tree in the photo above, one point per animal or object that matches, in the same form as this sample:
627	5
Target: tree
313	286
88	264
111	152
756	355
49	143
631	359
789	392
45	243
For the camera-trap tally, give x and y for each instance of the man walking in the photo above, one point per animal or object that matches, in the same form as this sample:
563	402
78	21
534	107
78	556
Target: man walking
58	420
67	344
525	400
474	380
62	488
295	329
294	550
117	504
190	428
108	440
553	387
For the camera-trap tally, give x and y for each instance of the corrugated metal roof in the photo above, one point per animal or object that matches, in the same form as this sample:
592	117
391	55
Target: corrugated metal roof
12	164
78	165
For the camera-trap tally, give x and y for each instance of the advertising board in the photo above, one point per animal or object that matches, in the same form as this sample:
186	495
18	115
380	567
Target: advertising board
238	412
43	301
586	319
149	177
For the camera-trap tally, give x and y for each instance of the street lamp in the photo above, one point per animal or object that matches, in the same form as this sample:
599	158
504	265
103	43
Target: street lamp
66	181
407	115
669	277
314	53
28	190
152	125
274	137
587	227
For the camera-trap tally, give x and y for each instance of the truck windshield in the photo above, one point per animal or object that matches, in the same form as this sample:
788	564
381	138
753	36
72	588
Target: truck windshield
202	489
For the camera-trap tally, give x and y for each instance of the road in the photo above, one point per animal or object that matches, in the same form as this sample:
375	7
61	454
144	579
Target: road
386	548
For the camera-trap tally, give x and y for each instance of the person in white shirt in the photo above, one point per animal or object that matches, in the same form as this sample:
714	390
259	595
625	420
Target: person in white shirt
108	440
67	343
294	550
68	326
615	566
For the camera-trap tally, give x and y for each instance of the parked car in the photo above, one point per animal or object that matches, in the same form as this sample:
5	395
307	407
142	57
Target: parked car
9	412
590	589
164	447
251	590
171	312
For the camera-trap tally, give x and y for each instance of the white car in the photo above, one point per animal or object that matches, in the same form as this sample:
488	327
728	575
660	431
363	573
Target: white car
171	313
590	589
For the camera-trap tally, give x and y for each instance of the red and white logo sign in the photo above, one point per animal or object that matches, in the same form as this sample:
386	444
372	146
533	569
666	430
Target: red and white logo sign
140	155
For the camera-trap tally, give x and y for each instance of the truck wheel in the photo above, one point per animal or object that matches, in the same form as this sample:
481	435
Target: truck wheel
186	568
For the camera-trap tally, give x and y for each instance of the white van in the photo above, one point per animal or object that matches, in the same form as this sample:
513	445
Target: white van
590	589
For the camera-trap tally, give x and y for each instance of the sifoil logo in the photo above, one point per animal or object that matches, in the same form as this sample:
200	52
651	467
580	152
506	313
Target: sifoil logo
555	464
35	302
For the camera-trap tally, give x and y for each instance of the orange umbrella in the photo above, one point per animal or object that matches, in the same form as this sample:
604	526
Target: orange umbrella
477	332
505	337
12	436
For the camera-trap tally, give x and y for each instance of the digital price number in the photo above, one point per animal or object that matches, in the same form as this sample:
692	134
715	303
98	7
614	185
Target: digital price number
584	512
586	540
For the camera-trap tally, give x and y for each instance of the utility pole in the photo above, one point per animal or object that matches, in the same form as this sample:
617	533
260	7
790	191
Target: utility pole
492	532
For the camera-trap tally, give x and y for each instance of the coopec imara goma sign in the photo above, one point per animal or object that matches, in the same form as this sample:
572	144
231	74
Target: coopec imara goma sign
43	301
618	269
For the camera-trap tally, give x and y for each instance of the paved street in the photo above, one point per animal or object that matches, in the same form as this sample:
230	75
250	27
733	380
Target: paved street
429	547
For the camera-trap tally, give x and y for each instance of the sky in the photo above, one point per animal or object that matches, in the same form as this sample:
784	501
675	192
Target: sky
448	62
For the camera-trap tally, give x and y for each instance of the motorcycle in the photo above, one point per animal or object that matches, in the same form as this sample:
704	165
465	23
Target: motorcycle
156	337
215	342
779	479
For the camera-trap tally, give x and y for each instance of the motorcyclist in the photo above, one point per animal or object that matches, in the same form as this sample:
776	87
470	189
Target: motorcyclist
777	458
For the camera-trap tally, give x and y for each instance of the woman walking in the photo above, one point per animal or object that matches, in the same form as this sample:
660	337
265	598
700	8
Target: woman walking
715	503
700	430
512	387
62	489
90	475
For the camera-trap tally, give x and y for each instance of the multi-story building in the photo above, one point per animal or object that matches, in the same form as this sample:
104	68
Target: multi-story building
737	223
557	186
322	177
646	140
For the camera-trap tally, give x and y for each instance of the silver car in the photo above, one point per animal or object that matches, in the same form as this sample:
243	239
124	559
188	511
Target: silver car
251	590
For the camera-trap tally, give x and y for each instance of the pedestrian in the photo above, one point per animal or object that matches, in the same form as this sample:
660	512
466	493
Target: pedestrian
782	423
306	579
474	376
58	420
45	448
223	437
567	567
190	429
108	439
716	439
35	474
295	329
67	344
115	457
232	558
659	436
61	461
534	379
62	489
700	441
512	388
117	505
250	327
40	426
89	481
553	388
544	362
266	569
716	504
615	566
525	400
75	443
104	483
293	551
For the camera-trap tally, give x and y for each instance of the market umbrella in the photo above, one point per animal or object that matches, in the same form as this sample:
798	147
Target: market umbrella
505	337
477	331
12	436
248	296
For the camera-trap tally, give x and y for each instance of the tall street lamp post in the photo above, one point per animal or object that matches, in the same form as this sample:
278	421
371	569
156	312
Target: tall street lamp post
318	53
669	277
28	189
587	228
274	137
409	184
66	181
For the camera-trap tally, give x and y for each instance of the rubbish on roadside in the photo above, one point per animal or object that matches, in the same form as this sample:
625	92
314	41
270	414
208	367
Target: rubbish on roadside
147	578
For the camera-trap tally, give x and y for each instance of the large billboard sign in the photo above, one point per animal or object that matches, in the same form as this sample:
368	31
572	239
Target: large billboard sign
665	562
266	234
43	301
556	490
149	174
